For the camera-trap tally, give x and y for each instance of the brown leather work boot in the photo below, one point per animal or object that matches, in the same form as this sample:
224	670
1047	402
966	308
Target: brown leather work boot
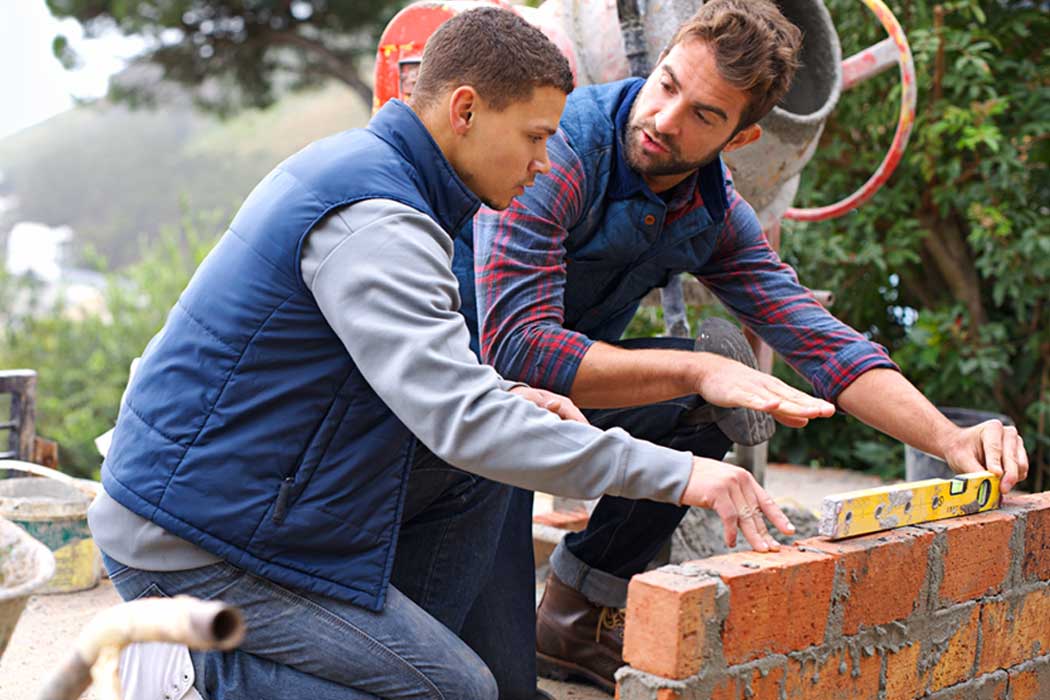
577	640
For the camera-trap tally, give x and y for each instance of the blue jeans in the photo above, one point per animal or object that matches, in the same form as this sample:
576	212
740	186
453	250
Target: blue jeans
304	645
621	538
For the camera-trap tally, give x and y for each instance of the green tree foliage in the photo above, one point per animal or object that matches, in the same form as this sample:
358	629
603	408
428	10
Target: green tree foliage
949	265
237	53
82	357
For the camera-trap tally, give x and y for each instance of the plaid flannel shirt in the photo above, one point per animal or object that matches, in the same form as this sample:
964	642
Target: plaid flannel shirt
521	277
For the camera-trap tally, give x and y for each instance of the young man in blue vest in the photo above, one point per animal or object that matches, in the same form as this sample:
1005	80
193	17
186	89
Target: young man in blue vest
285	443
637	193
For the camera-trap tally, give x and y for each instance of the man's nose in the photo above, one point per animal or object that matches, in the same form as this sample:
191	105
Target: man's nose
666	120
541	166
669	117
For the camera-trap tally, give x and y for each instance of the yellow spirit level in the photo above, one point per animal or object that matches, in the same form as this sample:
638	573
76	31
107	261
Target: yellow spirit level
909	503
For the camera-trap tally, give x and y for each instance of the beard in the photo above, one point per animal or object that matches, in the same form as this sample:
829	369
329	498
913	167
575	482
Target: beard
670	163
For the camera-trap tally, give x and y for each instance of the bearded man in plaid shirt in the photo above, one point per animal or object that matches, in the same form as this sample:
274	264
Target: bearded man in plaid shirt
636	194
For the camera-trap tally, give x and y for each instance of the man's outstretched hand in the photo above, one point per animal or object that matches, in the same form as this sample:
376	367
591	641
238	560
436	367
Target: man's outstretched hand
555	403
988	446
726	382
739	501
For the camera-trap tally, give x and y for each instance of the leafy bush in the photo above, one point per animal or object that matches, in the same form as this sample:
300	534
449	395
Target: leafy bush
82	357
949	265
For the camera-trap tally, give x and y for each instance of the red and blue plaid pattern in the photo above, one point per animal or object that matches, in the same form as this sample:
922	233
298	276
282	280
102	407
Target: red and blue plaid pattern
520	273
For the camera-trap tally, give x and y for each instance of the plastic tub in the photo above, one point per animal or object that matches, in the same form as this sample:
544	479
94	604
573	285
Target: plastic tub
25	566
55	513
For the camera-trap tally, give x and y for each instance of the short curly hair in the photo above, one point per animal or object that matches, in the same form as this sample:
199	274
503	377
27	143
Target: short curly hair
756	49
494	51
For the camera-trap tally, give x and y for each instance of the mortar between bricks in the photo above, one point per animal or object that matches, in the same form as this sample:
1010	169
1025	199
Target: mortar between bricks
928	636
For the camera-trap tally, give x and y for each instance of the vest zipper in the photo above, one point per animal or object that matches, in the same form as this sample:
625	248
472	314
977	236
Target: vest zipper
280	508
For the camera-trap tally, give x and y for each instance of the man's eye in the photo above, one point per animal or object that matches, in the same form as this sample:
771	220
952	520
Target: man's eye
701	117
536	139
667	87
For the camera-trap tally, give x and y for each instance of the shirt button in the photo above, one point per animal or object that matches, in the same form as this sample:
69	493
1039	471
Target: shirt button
650	219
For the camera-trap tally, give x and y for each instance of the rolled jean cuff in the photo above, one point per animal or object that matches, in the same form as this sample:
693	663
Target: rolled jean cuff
597	586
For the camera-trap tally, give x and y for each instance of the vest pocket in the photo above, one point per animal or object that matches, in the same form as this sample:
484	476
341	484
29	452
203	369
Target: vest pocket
294	484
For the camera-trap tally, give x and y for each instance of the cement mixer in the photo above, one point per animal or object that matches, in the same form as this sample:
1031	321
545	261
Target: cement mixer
607	40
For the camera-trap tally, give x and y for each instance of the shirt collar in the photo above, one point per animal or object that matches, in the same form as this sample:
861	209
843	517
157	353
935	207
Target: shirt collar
625	182
452	202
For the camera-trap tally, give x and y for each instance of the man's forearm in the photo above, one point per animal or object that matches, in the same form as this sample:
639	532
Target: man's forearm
887	401
612	377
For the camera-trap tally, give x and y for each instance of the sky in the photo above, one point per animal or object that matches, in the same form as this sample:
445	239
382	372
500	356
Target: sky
34	85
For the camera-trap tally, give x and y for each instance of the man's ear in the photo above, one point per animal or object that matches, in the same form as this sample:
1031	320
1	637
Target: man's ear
743	137
462	104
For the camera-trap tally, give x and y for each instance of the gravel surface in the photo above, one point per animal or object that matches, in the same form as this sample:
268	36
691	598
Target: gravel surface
45	635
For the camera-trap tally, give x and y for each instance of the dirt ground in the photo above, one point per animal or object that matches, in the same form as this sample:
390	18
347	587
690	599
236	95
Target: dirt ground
50	624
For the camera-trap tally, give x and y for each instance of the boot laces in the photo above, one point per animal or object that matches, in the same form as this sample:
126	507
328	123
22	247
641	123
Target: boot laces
612	619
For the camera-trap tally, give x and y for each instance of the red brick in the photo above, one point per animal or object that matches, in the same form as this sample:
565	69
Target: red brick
1036	563
903	679
953	665
884	574
574	520
667	613
839	677
1031	682
978	555
778	601
1015	630
751	685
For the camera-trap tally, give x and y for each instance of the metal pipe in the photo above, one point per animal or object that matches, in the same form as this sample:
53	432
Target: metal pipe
672	297
868	63
87	487
182	620
633	32
905	122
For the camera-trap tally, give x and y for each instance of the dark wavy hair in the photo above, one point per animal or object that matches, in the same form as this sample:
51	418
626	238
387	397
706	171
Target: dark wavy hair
494	51
756	49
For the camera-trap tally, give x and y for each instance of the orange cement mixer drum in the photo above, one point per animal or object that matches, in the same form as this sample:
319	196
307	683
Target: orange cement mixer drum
401	46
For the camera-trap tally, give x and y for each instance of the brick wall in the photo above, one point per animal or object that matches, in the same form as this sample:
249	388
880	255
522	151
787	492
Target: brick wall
954	610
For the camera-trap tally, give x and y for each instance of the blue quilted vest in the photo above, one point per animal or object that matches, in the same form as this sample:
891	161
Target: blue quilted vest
247	429
623	245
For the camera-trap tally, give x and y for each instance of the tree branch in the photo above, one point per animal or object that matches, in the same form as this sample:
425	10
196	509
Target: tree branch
938	61
337	65
948	249
928	287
